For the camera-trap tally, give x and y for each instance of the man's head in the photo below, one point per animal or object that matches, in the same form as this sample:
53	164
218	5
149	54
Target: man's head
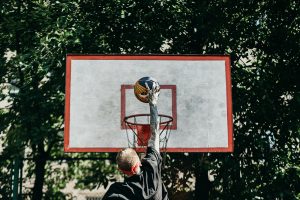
128	161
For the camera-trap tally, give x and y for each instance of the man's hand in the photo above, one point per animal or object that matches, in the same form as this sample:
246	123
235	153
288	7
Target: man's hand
153	93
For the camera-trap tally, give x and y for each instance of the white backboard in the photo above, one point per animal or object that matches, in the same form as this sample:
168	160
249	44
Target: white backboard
195	91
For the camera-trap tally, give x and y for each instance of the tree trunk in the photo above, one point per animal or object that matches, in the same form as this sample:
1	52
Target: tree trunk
202	185
39	172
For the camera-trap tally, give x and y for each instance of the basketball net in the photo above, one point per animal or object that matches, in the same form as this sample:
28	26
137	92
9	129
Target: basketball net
140	127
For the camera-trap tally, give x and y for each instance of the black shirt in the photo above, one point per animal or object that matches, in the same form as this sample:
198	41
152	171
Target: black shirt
145	185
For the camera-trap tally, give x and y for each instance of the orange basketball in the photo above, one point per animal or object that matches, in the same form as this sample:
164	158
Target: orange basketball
140	88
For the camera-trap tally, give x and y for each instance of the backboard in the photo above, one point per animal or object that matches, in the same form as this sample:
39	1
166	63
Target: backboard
195	91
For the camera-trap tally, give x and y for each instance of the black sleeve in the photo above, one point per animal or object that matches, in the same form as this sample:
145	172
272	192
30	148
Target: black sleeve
153	158
151	167
114	193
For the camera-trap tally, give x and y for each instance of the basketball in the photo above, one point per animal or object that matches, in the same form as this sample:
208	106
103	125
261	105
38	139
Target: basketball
140	88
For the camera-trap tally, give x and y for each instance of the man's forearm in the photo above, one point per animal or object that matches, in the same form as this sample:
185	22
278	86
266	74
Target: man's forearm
154	126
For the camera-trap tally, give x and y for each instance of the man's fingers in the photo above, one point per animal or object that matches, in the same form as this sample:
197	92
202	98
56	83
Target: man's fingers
153	85
156	87
154	91
147	86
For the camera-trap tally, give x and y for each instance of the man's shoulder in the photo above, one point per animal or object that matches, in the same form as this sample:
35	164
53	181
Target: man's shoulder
151	153
116	186
152	158
114	191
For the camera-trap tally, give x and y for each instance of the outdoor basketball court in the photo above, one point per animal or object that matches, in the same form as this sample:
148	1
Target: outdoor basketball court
195	93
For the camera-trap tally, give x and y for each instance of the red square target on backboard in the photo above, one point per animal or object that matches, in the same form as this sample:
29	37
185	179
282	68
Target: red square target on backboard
168	96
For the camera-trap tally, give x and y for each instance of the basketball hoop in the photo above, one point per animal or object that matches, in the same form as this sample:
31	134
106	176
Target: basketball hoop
140	126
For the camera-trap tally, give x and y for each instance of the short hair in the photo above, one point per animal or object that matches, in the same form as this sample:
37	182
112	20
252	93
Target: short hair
127	158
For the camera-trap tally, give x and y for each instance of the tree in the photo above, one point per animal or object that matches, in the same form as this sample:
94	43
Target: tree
262	38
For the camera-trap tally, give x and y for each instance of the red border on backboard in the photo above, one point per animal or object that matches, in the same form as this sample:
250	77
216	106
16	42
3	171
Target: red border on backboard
67	105
69	58
162	87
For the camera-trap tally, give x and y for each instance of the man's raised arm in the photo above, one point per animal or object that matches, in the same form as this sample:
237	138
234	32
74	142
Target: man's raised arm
154	119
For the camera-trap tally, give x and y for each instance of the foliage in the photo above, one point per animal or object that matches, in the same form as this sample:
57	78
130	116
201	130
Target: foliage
262	38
